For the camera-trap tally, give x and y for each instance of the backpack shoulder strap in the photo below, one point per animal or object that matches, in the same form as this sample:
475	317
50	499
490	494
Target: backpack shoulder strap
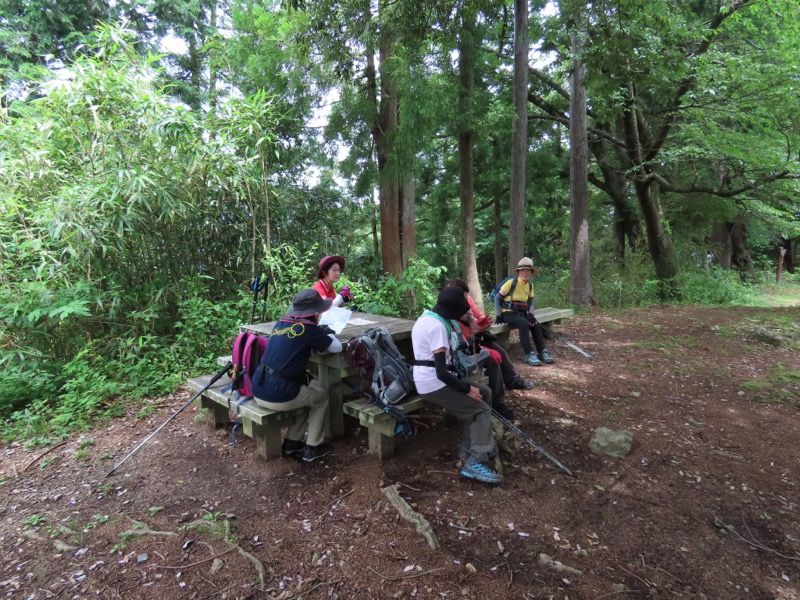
514	280
447	324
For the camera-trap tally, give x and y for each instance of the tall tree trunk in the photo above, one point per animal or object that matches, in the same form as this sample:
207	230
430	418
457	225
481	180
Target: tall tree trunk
383	131
212	67
625	228
265	183
408	217
580	278
466	76
373	217
519	144
658	240
731	248
500	266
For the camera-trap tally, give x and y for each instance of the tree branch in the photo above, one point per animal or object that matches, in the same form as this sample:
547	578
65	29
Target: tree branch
720	192
685	85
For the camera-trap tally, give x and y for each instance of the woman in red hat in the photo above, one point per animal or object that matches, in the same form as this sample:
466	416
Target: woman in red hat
330	270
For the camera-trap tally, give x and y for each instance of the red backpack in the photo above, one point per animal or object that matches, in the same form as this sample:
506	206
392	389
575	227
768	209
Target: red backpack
246	356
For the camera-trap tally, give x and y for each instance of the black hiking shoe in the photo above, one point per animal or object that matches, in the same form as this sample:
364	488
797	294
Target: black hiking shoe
520	384
312	453
506	412
293	448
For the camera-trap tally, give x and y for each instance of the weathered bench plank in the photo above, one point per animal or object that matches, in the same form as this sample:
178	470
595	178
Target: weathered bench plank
259	423
380	424
543	315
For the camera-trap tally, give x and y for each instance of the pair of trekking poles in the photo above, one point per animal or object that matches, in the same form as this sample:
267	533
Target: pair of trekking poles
257	286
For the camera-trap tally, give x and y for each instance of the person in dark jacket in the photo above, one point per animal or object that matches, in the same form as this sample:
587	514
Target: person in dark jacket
281	382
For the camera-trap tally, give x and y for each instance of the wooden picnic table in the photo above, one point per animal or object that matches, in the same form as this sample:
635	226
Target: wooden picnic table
332	369
264	425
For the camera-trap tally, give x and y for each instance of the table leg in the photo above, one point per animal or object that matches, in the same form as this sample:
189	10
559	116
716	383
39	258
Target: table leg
330	379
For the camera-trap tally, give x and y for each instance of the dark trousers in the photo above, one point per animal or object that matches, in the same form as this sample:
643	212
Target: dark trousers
527	328
496	381
538	336
506	366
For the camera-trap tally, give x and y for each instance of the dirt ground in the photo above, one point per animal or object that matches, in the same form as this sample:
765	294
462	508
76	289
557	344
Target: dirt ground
706	504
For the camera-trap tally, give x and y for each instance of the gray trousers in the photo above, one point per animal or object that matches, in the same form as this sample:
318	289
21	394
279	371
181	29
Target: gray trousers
315	399
476	417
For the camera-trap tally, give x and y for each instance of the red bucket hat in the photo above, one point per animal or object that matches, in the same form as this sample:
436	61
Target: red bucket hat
326	263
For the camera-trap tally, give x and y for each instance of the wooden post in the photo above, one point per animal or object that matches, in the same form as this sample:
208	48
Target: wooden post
779	272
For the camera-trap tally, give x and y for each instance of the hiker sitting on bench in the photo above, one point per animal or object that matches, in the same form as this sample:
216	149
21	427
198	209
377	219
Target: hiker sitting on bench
514	305
330	270
281	382
471	403
476	325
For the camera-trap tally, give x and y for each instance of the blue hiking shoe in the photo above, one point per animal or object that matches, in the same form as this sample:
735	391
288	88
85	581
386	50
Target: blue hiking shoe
532	359
482	473
545	357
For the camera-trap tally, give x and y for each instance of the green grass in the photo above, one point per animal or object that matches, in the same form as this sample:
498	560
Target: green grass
782	386
664	343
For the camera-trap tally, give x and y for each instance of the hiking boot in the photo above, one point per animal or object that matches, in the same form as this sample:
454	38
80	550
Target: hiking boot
481	472
312	453
506	412
532	359
545	357
293	448
518	383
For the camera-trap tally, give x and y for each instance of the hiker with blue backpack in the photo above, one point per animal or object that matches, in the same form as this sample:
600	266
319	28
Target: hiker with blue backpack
513	303
437	383
281	382
328	274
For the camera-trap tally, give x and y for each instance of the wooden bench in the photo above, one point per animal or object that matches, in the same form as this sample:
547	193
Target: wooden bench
380	424
543	315
259	423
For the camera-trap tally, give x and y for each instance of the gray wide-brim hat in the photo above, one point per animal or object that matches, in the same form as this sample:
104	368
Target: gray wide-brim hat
451	303
526	263
308	303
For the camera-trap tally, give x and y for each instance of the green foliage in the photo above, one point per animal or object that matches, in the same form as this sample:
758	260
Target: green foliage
717	287
406	297
33	521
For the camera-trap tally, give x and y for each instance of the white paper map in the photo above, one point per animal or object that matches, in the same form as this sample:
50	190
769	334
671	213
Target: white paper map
360	321
336	318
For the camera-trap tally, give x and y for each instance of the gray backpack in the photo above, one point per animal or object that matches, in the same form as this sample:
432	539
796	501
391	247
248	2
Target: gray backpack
382	367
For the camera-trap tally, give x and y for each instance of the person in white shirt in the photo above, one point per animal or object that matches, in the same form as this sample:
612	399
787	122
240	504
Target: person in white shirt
436	382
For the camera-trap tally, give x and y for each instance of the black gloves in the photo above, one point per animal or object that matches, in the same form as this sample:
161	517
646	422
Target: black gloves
499	318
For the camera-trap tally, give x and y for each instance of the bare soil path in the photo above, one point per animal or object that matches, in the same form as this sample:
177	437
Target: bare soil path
706	505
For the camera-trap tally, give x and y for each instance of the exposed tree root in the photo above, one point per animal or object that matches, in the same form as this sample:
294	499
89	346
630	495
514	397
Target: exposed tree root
421	524
143	529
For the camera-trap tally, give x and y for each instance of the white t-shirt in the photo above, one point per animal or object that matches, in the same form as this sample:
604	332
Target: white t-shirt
427	335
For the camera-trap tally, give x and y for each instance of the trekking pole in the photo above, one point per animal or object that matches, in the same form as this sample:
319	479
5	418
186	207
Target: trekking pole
179	411
561	338
264	286
255	287
525	437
